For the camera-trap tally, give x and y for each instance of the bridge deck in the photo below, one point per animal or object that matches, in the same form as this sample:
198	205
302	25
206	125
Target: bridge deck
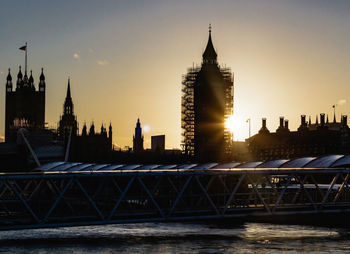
53	199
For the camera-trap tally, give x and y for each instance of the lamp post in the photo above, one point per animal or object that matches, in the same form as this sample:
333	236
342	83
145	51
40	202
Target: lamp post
248	121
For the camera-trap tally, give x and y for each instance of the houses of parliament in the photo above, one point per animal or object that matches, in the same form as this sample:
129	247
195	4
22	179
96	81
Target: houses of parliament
206	103
25	109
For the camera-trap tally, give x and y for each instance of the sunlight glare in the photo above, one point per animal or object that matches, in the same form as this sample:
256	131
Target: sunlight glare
231	123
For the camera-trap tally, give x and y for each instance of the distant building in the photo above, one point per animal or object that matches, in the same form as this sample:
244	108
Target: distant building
68	123
92	146
138	138
316	139
158	143
25	106
207	101
89	146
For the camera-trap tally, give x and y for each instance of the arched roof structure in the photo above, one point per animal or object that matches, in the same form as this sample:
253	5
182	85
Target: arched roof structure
326	161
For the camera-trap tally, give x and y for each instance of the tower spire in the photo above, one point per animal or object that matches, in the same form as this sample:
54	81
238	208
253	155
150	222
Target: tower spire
68	89
209	54
68	103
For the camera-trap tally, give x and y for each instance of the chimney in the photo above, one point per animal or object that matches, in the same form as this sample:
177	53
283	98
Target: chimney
345	120
322	119
263	123
281	121
286	124
303	120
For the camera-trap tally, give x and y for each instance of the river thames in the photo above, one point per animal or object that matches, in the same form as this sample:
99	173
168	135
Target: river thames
178	238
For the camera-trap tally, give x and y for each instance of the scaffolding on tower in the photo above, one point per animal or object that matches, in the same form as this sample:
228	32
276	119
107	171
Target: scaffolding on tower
188	113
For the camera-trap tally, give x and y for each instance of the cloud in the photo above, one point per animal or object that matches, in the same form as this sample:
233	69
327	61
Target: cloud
102	62
341	102
91	50
76	56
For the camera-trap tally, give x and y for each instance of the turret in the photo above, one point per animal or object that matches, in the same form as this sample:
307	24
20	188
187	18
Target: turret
19	79
25	79
110	131
84	131
92	129
42	84
31	81
9	82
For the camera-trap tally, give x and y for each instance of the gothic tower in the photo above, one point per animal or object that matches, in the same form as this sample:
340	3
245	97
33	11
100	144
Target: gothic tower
25	107
68	122
138	138
207	102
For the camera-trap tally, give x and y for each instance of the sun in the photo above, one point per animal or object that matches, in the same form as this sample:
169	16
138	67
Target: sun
231	123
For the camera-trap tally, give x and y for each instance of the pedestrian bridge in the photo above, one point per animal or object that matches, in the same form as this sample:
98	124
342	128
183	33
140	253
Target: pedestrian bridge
70	194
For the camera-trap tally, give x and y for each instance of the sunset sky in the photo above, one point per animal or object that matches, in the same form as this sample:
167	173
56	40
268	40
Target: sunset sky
126	58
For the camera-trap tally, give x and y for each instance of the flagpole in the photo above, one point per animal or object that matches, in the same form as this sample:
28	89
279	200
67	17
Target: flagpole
26	60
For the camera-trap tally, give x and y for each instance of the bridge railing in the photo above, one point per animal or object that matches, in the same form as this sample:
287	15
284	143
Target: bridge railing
50	199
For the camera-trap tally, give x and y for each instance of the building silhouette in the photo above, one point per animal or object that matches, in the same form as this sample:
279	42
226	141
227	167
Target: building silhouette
138	138
158	143
25	106
68	124
207	101
311	139
90	145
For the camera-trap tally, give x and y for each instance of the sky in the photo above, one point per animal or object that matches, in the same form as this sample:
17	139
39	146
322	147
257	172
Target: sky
125	59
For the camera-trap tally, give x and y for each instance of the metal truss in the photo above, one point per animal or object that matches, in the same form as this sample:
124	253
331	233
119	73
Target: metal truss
35	200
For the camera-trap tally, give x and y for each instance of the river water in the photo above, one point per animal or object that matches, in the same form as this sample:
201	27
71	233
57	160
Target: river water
178	238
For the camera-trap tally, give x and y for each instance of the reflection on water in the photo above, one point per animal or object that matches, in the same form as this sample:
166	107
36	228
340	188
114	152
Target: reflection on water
178	238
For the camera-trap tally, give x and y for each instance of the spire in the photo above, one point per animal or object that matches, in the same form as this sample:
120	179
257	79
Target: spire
19	75
138	129
309	120
42	77
327	120
209	55
9	82
84	132
9	77
68	103
92	129
68	89
31	79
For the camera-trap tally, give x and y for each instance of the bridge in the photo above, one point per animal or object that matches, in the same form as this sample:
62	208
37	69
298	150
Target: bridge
99	195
